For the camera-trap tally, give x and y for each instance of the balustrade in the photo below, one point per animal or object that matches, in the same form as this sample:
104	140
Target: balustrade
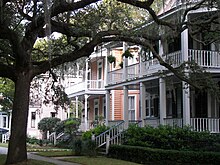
205	124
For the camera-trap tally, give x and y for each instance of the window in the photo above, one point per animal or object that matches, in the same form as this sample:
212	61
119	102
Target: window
99	74
33	119
104	108
152	106
4	122
53	114
131	107
96	109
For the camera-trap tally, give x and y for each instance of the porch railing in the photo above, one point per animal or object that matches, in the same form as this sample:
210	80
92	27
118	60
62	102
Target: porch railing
133	71
95	84
205	124
154	122
115	76
5	137
205	58
174	122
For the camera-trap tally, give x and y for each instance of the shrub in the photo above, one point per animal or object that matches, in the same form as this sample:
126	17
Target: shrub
166	137
96	131
145	155
89	148
77	147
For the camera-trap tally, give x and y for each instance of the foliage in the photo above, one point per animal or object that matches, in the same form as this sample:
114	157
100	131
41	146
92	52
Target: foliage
166	137
89	148
77	147
48	124
6	93
111	59
71	126
121	64
96	131
127	54
144	155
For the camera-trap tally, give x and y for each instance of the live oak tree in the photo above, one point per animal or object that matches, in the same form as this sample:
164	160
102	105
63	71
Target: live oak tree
84	25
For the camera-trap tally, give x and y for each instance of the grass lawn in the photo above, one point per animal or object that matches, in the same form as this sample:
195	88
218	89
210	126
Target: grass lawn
98	161
55	153
3	144
30	162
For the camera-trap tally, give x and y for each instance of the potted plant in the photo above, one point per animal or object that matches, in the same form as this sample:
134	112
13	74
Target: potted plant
111	59
121	64
127	54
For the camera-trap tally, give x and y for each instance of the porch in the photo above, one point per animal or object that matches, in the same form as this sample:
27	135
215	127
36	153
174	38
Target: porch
204	58
89	85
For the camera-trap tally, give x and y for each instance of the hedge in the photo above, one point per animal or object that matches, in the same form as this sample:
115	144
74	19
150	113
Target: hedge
145	155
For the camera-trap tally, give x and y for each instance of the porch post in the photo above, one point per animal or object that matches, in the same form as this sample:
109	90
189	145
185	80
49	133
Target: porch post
163	106
125	107
107	109
209	99
186	90
113	104
86	75
86	112
186	105
77	108
143	103
125	63
106	66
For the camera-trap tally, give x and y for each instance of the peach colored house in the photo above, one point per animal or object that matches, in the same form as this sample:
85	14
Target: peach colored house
91	92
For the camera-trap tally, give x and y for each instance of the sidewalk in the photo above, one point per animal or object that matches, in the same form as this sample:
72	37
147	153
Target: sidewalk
37	157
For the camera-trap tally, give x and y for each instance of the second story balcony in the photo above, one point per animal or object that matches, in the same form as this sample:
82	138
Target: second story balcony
204	58
85	87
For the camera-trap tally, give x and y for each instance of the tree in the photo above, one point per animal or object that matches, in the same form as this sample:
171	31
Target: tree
48	124
84	25
7	92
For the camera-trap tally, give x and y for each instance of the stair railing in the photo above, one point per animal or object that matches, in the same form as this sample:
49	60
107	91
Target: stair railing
5	137
114	134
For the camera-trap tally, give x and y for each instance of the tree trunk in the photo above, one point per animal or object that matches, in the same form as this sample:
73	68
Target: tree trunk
17	151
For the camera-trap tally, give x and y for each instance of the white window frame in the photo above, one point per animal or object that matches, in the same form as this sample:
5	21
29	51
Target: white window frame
135	109
148	98
96	106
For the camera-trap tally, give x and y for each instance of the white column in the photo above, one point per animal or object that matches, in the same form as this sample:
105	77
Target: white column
209	101
186	90
186	105
106	66
143	103
113	103
163	105
125	63
125	107
86	112
86	75
77	107
107	109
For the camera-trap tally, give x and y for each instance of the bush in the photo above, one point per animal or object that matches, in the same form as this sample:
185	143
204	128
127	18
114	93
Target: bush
77	147
32	140
89	148
145	155
96	131
166	137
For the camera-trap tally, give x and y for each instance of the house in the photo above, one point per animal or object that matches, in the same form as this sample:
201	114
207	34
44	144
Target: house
41	104
139	92
91	93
